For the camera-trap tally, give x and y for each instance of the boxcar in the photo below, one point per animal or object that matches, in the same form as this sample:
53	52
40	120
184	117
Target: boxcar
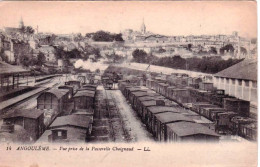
84	99
53	100
165	118
162	88
143	108
70	88
152	111
196	106
249	131
223	119
134	89
189	131
206	86
134	95
205	111
242	107
237	121
76	85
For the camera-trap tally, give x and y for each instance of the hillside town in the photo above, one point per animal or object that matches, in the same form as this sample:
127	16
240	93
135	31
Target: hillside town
24	45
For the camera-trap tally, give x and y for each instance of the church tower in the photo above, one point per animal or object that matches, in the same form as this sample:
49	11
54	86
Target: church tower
143	28
21	24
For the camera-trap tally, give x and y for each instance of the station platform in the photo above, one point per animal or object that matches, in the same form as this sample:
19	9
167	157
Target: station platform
14	92
10	102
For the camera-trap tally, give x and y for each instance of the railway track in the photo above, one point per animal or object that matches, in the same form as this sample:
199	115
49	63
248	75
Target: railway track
117	126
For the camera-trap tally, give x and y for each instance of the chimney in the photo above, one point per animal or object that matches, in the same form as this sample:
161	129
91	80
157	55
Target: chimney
7	127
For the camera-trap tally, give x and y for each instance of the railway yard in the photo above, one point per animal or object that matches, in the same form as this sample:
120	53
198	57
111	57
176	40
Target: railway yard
114	109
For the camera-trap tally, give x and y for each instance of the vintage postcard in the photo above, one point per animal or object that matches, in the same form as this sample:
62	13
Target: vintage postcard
128	83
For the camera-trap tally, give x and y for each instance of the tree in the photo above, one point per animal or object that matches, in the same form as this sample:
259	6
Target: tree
229	48
41	59
29	30
213	50
243	50
189	46
139	56
118	37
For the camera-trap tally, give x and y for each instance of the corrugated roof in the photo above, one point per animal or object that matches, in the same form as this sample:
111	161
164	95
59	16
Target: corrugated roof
72	120
158	109
172	117
59	93
27	113
190	128
247	70
85	93
11	69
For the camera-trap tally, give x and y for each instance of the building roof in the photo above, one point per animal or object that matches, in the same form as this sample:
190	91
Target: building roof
47	49
172	117
158	109
27	113
11	69
80	121
85	93
59	93
246	69
190	128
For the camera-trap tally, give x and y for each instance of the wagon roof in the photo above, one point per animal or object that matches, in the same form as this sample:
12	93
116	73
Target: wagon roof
149	103
73	120
139	93
147	97
88	88
66	86
172	117
171	87
28	113
58	92
85	93
153	94
132	89
89	111
157	109
73	81
163	84
90	85
190	128
214	109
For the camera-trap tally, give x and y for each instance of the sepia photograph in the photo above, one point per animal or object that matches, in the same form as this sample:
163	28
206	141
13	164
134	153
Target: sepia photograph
161	77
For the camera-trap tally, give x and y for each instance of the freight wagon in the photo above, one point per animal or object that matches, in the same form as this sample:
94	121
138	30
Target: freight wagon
84	99
162	119
151	113
189	131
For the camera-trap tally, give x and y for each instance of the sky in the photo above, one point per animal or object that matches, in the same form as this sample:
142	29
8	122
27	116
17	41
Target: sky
166	18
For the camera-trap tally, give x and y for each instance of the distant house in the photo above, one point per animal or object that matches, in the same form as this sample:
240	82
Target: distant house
49	53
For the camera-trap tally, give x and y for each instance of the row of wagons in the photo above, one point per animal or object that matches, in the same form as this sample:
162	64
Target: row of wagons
213	105
166	123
